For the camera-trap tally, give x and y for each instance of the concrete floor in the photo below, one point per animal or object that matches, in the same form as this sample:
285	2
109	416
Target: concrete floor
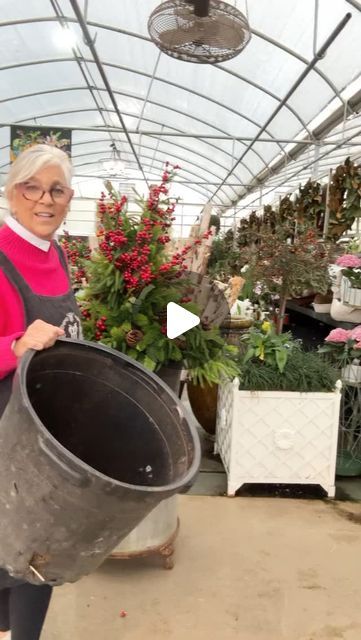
246	569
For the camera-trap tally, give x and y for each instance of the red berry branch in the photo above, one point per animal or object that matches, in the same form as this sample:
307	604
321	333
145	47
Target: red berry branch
77	251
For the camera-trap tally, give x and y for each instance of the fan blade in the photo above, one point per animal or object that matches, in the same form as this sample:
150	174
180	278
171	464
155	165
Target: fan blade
229	34
175	37
220	32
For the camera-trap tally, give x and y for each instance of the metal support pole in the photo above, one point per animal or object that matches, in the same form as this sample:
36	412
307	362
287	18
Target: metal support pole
148	92
315	28
90	44
316	162
327	210
234	245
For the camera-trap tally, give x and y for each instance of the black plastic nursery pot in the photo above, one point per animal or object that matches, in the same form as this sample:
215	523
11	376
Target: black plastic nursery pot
90	443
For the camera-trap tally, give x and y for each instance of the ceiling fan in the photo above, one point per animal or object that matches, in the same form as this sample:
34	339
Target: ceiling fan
203	31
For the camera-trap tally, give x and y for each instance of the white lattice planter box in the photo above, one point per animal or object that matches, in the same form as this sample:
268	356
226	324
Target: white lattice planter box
277	436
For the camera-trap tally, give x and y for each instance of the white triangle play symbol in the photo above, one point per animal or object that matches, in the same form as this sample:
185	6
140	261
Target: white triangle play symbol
179	320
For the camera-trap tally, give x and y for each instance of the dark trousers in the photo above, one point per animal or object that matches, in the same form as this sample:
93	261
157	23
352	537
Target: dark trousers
23	607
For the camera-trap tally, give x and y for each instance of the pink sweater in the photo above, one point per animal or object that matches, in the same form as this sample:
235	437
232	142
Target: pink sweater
44	274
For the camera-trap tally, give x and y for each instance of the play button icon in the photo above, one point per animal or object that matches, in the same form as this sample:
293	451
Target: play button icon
179	320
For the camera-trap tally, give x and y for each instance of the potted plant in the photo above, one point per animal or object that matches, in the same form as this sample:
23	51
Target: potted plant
278	421
343	348
286	265
131	277
351	279
322	302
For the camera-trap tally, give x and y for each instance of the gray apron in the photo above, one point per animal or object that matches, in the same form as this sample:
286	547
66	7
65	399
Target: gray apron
61	311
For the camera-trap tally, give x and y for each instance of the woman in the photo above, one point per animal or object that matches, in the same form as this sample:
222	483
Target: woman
37	306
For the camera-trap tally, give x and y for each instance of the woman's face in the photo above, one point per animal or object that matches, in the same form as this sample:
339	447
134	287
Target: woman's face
41	203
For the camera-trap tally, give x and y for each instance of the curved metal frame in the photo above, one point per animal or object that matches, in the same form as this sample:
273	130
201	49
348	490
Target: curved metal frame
135	97
50	115
303	168
193	173
55	114
181	87
147	75
258	34
202	191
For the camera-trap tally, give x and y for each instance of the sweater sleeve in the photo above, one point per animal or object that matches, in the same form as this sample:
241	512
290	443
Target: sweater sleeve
12	324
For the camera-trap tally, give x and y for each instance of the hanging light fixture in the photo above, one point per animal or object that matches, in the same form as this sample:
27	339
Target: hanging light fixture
114	166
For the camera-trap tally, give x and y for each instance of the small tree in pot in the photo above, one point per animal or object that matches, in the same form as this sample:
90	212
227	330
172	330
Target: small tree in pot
287	265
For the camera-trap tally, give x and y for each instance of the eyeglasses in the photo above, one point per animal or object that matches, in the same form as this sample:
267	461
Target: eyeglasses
34	193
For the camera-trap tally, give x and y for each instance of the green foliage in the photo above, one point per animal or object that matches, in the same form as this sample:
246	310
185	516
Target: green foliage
224	260
207	358
278	363
288	266
131	279
344	198
215	222
265	345
304	371
342	352
354	276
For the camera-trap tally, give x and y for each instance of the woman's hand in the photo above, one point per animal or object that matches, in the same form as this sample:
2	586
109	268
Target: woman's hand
39	335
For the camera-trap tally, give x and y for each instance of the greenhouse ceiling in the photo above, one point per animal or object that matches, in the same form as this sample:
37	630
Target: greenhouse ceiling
282	110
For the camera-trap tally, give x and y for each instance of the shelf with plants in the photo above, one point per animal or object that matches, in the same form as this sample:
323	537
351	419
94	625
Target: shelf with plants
326	210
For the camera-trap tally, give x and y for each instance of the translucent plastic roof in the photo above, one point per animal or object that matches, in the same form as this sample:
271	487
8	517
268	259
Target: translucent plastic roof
230	126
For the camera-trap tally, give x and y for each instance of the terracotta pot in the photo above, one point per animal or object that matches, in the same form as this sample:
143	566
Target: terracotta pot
203	401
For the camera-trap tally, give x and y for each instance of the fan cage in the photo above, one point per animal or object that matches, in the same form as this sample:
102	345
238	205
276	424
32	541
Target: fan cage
164	18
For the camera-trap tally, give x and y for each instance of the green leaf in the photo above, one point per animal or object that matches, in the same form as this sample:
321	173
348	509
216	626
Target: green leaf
249	354
281	359
132	353
125	327
149	363
141	320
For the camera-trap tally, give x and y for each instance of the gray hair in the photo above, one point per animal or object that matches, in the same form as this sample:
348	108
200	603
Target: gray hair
32	160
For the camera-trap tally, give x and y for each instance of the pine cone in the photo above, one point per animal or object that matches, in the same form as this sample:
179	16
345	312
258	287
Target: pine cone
162	316
180	343
133	337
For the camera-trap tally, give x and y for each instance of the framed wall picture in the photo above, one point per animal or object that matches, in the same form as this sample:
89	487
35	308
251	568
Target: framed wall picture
22	137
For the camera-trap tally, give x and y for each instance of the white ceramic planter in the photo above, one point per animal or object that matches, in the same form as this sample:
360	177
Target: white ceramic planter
350	295
322	308
351	374
344	312
277	437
